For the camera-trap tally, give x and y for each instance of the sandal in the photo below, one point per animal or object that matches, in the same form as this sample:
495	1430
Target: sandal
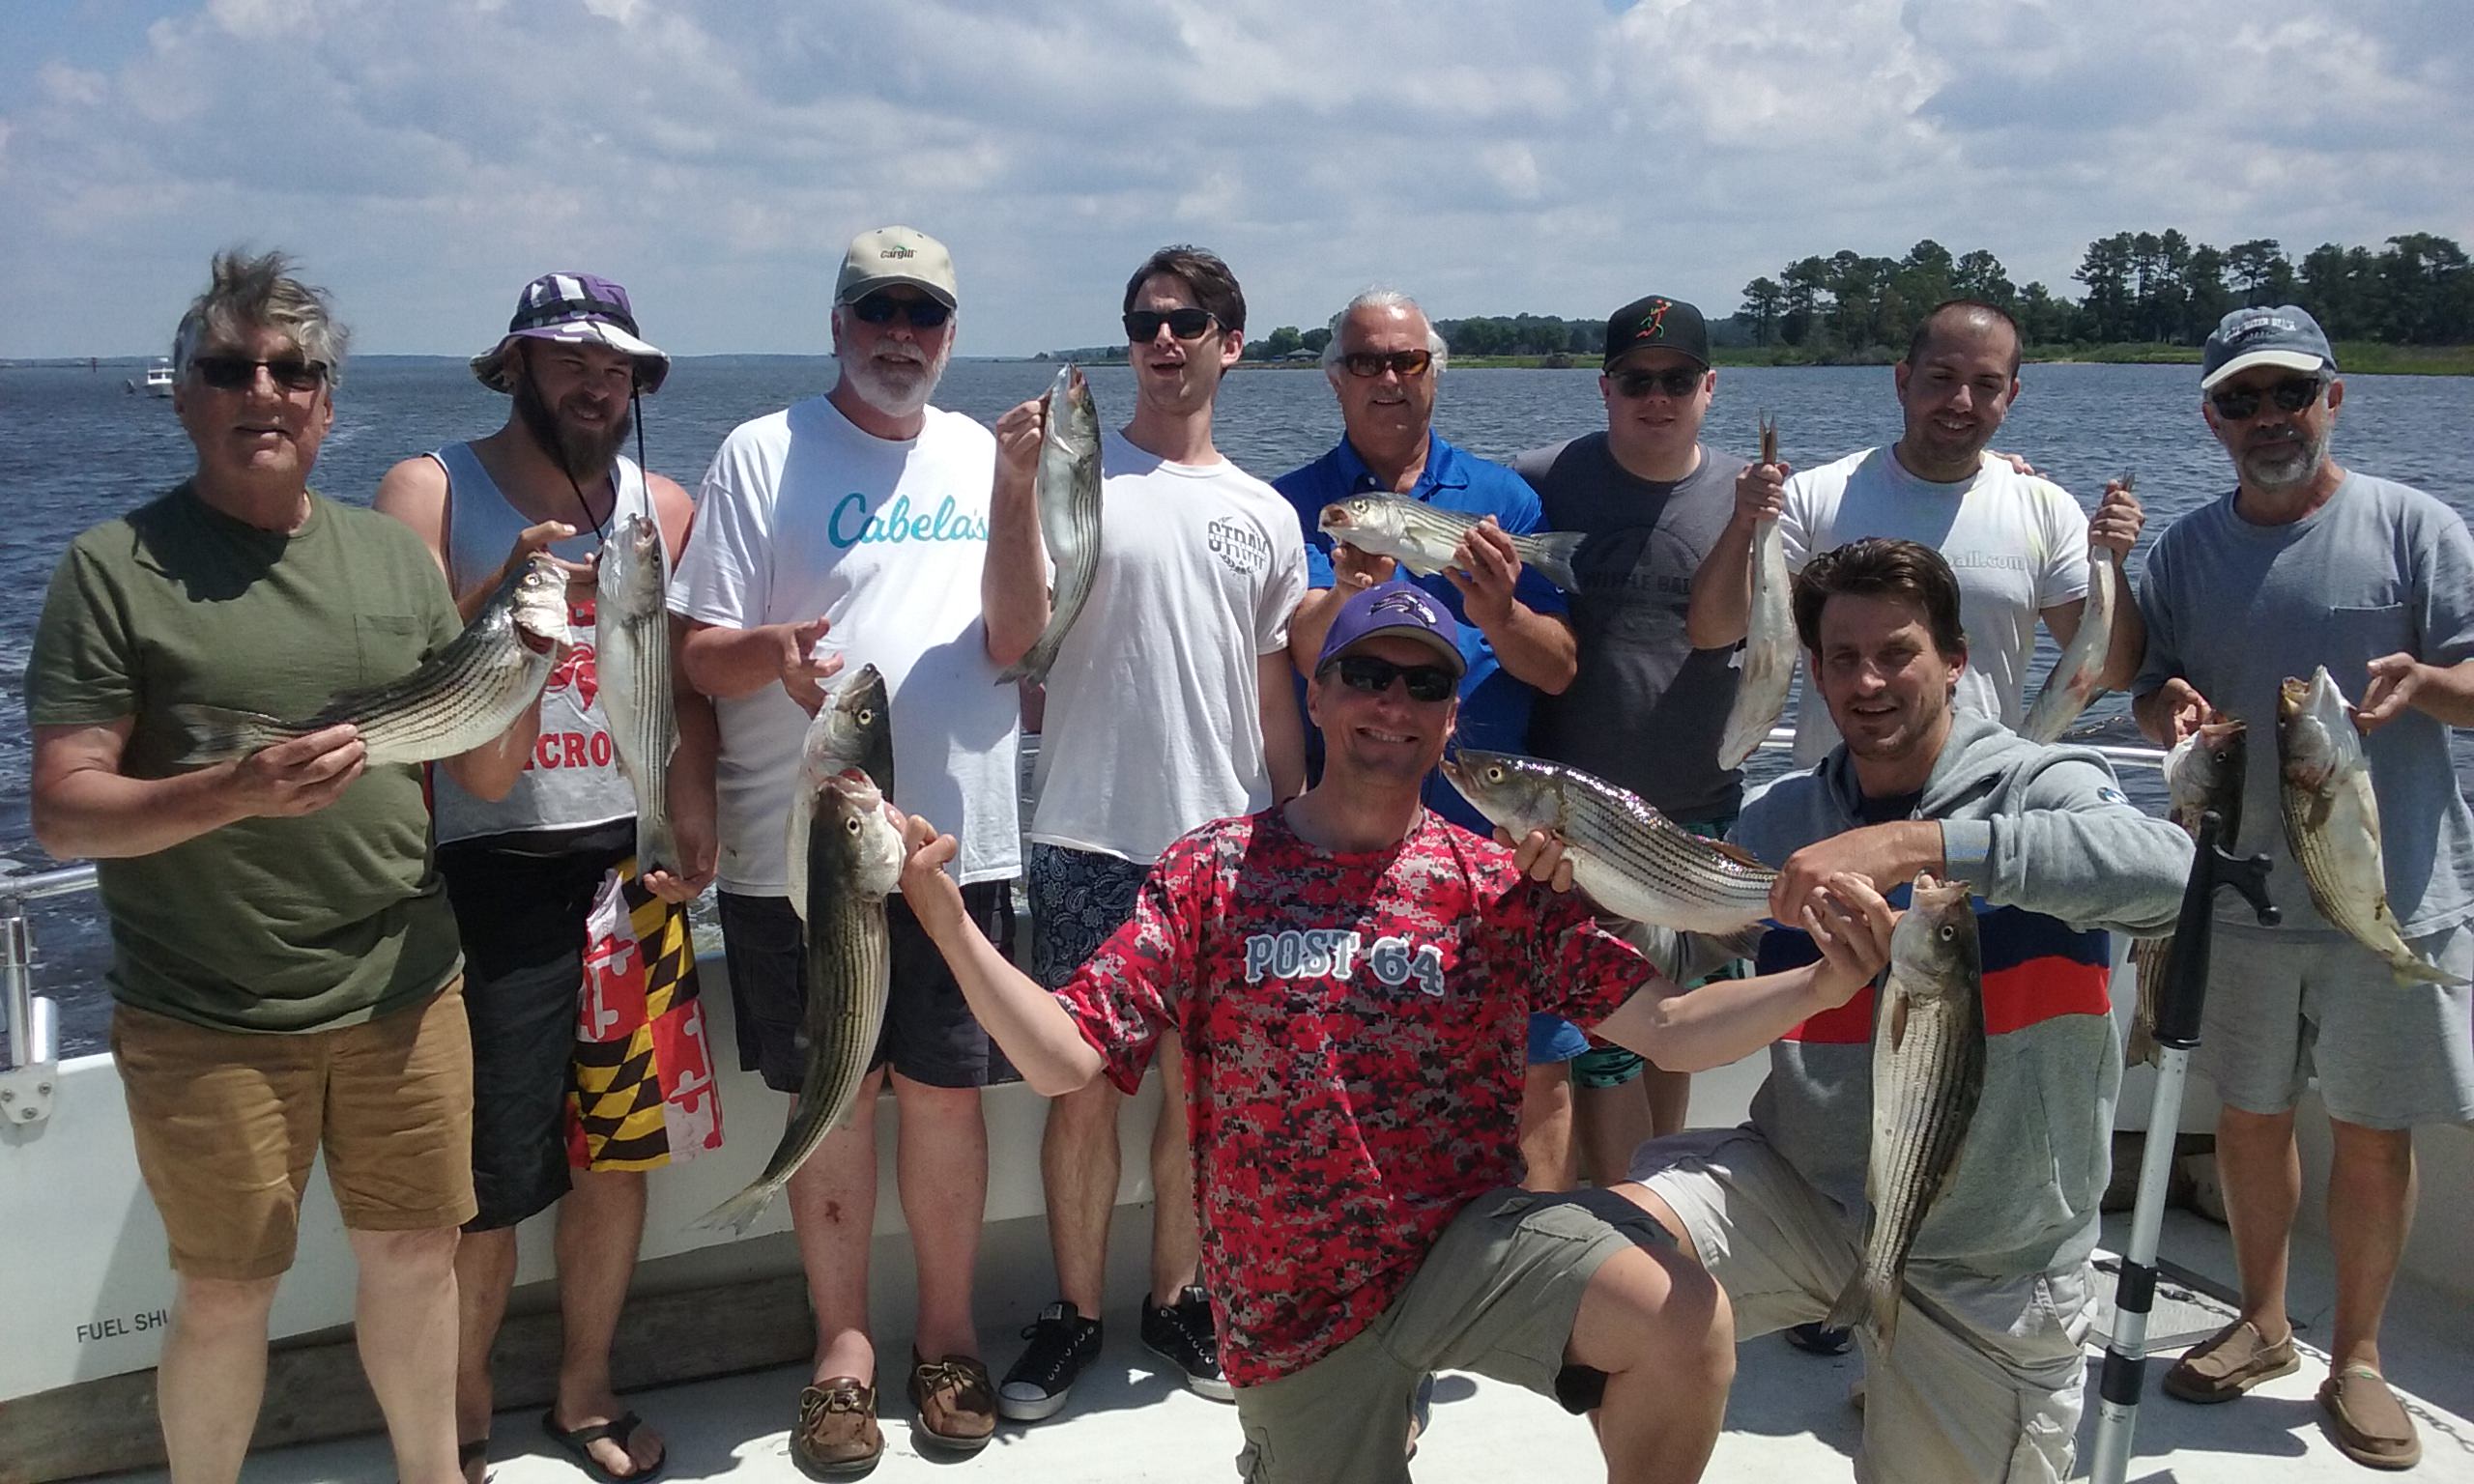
579	1443
2367	1422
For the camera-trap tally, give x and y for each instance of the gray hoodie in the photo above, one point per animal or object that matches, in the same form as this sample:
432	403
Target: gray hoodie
2058	857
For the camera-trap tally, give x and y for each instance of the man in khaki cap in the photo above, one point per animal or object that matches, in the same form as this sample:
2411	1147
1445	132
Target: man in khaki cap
859	518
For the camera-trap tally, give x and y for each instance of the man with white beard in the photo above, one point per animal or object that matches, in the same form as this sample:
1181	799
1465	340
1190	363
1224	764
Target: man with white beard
860	519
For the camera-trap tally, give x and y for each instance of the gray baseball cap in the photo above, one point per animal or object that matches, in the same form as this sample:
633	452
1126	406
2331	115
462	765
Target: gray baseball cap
891	255
2286	335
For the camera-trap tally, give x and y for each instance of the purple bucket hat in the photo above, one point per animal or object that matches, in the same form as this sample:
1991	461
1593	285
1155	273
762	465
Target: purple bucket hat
574	309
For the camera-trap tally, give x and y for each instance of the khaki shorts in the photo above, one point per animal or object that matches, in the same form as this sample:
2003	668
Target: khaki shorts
1497	1295
1987	1379
227	1125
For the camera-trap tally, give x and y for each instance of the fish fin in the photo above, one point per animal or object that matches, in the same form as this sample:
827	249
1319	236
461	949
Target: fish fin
1551	553
220	733
1738	854
740	1212
1894	1025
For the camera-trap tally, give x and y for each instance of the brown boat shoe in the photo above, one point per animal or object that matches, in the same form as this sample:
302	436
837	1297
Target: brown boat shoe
2230	1362
2367	1422
955	1401
837	1437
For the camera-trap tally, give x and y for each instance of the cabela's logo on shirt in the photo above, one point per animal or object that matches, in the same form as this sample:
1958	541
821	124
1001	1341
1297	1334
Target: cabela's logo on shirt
854	524
1240	547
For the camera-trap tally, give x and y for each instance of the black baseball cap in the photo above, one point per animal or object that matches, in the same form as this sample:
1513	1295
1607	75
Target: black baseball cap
1657	322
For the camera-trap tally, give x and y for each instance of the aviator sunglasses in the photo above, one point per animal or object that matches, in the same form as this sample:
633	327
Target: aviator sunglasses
1141	325
1402	364
2240	404
1374	675
238	373
880	309
1676	382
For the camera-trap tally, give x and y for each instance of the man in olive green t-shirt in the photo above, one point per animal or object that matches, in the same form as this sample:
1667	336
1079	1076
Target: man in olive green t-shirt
284	963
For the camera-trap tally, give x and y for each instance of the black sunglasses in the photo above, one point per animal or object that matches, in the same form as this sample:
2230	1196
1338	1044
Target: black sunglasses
1676	382
2240	404
880	309
1141	325
1374	675
238	373
1373	363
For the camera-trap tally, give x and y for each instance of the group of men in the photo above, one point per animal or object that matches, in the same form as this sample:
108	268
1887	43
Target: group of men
1390	1046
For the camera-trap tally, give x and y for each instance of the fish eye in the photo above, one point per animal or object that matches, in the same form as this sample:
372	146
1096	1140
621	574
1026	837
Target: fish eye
1495	773
867	716
1948	932
852	825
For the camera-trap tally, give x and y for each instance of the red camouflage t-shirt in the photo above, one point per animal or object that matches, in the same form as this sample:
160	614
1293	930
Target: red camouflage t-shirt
1355	1032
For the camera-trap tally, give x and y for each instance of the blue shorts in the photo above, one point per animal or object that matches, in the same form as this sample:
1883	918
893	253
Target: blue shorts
1553	1039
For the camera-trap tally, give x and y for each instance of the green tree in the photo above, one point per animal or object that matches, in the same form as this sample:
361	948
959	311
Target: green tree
2106	269
1282	340
2253	266
1764	302
1315	340
2204	296
1803	280
1979	276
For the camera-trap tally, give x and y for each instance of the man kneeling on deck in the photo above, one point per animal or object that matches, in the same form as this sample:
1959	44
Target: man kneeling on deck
1984	1379
1352	978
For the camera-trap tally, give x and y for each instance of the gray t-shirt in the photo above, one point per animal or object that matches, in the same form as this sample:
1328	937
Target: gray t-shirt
1646	710
2235	608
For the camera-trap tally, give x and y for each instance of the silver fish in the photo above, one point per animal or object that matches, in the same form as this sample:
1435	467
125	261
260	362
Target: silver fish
1634	860
2203	772
1069	500
1422	538
854	858
853	730
631	635
2332	820
465	695
1928	1075
1769	644
2070	686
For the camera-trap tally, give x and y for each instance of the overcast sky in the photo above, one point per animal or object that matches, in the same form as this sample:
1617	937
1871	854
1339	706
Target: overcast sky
424	157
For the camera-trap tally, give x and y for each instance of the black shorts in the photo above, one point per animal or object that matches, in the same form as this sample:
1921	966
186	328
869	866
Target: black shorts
930	1036
522	918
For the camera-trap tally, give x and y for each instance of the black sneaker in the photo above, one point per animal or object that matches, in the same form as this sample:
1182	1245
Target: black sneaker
1820	1339
1062	1343
1181	1333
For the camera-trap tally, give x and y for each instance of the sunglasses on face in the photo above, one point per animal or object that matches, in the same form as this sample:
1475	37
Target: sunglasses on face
238	373
1141	325
1374	675
880	309
1401	364
2239	404
1676	382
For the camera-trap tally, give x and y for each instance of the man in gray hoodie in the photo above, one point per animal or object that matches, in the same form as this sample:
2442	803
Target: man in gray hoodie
1986	1377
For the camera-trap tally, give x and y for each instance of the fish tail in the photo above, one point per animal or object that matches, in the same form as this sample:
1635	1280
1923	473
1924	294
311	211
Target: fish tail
219	735
656	848
1552	552
2411	969
741	1211
1869	1297
1033	666
2141	1048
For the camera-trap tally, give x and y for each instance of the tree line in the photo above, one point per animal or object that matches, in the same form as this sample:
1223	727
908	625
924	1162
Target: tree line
2139	286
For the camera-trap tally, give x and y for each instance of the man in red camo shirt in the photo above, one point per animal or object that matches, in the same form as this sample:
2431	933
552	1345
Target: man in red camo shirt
1352	978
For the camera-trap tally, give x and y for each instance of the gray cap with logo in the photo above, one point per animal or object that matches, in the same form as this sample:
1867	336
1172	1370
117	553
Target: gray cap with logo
896	255
2286	335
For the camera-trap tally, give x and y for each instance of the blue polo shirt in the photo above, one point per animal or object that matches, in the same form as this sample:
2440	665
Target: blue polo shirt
1494	707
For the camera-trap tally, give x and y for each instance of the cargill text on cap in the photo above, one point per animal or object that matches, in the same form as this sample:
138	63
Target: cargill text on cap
892	255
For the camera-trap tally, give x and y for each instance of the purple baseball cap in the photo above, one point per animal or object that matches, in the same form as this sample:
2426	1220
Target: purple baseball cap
1399	608
574	309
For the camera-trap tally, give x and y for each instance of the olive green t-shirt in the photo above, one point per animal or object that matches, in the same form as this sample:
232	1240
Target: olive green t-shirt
267	925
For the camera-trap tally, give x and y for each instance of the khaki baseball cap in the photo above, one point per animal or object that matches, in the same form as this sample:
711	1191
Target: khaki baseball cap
891	255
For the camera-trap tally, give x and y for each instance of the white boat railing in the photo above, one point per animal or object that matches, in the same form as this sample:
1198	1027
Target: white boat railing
27	1080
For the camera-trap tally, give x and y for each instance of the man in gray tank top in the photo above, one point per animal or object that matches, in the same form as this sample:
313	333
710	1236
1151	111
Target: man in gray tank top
523	871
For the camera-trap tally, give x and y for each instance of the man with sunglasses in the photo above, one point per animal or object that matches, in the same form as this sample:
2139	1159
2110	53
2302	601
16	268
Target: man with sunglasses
285	964
1168	705
2307	563
1353	975
525	872
859	521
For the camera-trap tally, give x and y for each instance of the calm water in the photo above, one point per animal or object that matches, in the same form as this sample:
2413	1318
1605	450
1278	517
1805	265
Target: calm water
75	448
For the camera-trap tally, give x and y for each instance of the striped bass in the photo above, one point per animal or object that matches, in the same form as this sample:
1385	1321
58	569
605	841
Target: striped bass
460	698
853	730
1928	1075
1634	860
2203	772
855	857
2332	820
1422	538
1069	499
2070	687
631	635
1768	669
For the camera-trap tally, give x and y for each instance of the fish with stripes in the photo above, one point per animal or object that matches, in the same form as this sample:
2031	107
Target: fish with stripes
1422	538
631	633
1068	494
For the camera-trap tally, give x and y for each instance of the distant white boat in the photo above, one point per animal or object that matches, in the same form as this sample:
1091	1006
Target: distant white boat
155	380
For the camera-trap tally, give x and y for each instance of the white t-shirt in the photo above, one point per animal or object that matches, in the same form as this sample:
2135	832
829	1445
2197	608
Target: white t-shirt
804	514
1153	723
2016	543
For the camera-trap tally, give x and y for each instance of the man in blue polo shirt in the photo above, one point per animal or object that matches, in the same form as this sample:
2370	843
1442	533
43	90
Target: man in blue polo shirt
1384	359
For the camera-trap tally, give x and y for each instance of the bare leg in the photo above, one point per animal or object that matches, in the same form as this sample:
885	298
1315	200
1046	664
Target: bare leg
833	1210
1546	1126
942	1168
2371	1208
405	1318
601	1225
212	1376
484	1272
1078	1164
1176	1240
1661	1330
1670	1095
2263	1176
1611	1121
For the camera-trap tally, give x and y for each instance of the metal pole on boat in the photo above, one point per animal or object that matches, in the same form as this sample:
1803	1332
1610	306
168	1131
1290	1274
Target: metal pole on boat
2177	1033
26	1078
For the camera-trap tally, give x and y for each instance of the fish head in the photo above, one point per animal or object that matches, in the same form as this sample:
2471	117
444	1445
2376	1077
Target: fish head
2315	733
1518	793
1358	516
1935	941
853	730
855	811
538	603
631	570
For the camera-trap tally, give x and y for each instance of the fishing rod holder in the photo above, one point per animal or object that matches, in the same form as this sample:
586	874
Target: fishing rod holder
32	1070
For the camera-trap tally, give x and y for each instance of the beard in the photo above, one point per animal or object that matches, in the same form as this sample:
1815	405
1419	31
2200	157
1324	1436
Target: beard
895	386
2286	464
583	452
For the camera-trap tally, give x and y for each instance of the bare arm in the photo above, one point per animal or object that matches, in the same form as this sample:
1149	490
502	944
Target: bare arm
2170	712
85	806
489	771
2443	691
727	664
1537	650
1352	570
1013	581
1283	730
1720	612
414	493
